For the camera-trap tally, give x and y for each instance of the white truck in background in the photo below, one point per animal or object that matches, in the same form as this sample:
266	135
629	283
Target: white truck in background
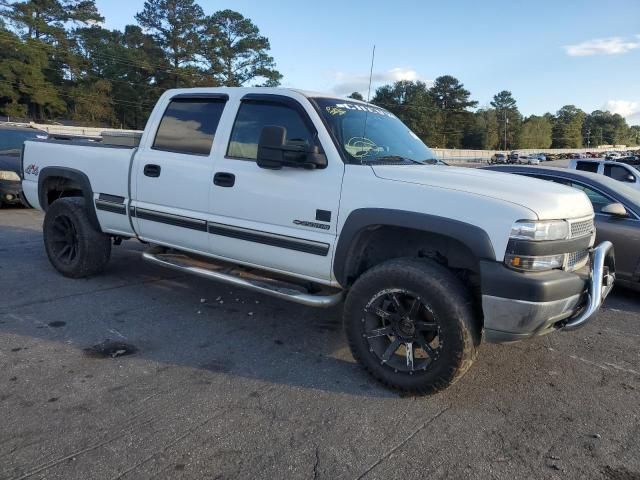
317	199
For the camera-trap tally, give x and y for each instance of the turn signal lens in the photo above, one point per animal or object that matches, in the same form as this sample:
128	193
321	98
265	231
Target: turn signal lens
534	264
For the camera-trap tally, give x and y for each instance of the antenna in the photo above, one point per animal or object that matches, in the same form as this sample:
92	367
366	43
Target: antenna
373	56
366	113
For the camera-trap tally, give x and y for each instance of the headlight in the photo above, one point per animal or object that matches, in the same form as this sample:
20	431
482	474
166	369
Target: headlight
9	175
534	264
540	231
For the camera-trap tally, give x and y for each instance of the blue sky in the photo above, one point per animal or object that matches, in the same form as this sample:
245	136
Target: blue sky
548	53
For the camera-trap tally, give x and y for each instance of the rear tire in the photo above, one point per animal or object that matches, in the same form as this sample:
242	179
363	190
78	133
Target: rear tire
74	247
410	323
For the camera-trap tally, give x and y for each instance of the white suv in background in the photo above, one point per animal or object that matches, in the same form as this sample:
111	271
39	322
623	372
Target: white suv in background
616	170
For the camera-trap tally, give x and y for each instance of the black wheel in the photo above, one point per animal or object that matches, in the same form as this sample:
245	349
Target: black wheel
74	247
410	323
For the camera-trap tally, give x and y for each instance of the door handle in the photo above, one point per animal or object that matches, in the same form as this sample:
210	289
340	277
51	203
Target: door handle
224	179
151	170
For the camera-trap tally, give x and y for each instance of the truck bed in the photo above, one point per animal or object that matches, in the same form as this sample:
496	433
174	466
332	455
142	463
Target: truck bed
106	166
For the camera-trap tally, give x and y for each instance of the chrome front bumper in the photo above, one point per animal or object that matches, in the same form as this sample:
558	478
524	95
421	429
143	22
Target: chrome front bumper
509	320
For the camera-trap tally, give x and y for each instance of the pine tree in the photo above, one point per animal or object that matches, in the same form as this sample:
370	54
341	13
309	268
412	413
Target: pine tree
176	26
235	51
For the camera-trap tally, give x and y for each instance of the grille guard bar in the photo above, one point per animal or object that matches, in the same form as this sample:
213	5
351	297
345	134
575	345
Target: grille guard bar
600	284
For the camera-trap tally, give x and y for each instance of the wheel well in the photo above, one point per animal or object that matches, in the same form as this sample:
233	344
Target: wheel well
54	188
377	244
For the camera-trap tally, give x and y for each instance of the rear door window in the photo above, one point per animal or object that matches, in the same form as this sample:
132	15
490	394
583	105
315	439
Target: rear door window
618	172
587	166
189	125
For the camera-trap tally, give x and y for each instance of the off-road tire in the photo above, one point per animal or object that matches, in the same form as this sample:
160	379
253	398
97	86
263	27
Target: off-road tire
92	247
443	295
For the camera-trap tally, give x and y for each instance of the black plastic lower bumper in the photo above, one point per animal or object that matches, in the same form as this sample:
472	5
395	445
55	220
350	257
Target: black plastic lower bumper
10	191
500	281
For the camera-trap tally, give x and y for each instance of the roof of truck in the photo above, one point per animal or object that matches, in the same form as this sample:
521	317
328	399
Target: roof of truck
264	90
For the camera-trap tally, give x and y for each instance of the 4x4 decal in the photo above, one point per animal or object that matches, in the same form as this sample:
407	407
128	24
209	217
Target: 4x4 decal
32	169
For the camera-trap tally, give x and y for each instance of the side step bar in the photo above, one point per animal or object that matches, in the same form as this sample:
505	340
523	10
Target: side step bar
245	278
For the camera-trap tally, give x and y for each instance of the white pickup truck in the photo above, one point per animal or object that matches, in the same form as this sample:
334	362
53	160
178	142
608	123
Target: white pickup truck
317	199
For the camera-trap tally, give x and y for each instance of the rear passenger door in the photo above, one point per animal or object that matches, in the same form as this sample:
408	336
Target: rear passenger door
172	173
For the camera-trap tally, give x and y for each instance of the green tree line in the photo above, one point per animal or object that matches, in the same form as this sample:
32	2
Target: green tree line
443	116
57	61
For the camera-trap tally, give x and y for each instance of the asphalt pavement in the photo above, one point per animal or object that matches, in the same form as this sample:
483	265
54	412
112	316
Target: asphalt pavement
146	373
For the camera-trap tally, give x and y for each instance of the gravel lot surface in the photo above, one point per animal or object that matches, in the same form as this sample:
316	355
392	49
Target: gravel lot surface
230	384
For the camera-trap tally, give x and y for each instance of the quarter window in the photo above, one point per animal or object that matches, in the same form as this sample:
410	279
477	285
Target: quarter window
189	125
253	117
587	166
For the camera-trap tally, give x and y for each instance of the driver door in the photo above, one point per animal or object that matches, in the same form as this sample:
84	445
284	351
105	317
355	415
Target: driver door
285	219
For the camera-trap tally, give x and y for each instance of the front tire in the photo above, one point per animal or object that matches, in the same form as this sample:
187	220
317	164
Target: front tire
74	247
410	323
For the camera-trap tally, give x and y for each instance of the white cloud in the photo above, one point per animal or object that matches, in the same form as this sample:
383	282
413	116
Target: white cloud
349	83
603	46
628	109
625	108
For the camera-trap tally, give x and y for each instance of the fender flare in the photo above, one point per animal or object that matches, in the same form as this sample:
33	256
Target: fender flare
76	176
473	237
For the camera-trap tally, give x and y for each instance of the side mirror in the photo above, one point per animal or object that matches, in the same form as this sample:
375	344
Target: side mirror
615	210
270	147
274	153
630	178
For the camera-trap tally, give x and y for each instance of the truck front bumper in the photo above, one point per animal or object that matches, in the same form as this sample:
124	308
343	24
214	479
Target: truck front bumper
519	305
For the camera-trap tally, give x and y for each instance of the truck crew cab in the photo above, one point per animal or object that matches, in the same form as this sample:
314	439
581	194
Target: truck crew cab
317	199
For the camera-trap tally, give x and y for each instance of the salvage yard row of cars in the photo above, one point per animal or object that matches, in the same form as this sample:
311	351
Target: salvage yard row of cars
516	157
280	191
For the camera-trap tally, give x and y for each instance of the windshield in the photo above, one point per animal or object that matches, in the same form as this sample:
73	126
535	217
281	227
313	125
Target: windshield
366	133
11	140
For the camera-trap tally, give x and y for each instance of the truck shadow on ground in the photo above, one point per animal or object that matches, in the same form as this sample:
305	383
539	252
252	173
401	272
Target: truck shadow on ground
181	321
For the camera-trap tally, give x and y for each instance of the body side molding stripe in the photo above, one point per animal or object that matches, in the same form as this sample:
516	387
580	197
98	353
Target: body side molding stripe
105	197
274	240
169	219
240	233
111	207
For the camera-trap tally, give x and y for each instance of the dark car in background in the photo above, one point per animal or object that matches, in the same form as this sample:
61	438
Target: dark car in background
617	209
499	159
11	140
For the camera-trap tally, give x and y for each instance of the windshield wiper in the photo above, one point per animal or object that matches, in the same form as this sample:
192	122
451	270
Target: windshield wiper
391	158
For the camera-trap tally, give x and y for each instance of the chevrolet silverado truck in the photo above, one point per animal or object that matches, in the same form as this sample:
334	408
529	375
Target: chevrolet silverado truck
320	200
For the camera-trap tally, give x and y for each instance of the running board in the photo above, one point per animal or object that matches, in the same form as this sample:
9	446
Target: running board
243	277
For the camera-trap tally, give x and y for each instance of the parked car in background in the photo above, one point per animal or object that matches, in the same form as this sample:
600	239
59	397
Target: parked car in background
530	160
542	157
633	160
499	158
617	209
612	156
11	140
616	170
514	156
